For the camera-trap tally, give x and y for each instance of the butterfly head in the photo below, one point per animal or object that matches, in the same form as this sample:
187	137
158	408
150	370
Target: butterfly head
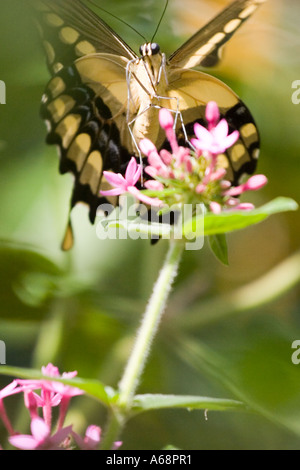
149	49
152	61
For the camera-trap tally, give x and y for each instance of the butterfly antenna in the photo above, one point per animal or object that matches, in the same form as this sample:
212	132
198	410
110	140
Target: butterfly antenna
117	18
161	18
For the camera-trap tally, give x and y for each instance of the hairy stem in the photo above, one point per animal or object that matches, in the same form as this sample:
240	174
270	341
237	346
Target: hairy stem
143	341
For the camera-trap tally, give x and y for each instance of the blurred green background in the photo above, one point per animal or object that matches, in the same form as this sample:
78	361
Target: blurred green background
227	331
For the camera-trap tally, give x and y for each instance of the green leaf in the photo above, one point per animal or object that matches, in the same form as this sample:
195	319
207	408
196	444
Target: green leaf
156	401
27	281
94	388
218	244
236	220
260	373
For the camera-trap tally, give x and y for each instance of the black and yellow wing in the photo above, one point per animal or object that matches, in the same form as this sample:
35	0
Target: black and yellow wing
70	30
205	46
78	105
195	89
89	100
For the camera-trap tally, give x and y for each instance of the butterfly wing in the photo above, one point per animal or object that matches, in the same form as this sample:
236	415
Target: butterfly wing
194	90
84	104
71	30
85	108
204	47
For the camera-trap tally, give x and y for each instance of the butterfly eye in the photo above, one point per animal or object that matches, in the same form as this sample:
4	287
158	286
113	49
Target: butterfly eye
155	48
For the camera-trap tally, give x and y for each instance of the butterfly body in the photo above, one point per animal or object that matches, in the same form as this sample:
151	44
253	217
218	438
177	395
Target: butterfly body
103	98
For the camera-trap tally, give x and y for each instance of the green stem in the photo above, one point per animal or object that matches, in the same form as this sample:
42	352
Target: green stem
149	325
113	429
144	338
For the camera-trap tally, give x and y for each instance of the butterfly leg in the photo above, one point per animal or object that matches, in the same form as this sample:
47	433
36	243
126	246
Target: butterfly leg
128	80
177	114
129	124
176	111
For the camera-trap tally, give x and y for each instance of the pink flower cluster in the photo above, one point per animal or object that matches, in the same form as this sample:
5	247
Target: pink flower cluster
52	394
194	175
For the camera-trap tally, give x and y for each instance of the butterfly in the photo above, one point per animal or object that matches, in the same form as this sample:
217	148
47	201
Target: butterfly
103	98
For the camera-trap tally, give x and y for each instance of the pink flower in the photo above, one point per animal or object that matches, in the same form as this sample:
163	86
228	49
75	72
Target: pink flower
253	184
66	390
166	122
51	370
215	207
52	394
154	185
156	164
181	175
216	140
244	206
91	440
31	403
218	174
212	114
10	389
40	438
117	445
127	184
166	156
200	188
57	390
121	183
164	164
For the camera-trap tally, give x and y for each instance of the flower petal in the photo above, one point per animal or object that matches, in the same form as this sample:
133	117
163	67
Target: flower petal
234	191
245	206
212	113
154	185
143	198
215	207
10	389
218	174
133	172
51	370
166	120
255	182
155	160
147	147
151	171
220	132
40	430
113	192
23	441
231	139
202	133
115	179
60	435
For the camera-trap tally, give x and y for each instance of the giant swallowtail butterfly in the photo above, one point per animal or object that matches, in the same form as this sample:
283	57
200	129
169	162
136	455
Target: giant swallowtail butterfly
103	97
